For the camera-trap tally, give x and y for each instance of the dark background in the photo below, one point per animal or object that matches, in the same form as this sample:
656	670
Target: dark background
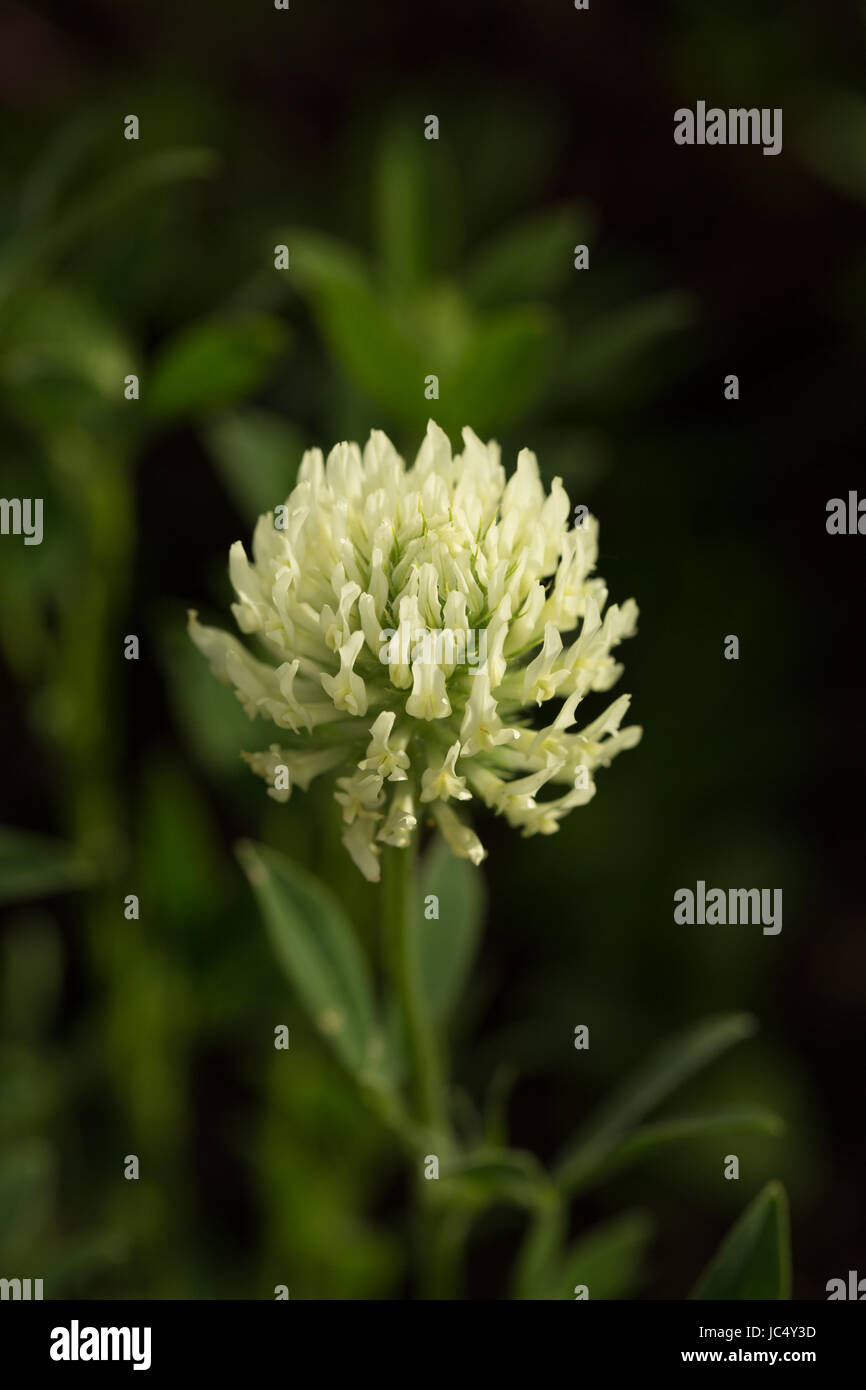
155	1037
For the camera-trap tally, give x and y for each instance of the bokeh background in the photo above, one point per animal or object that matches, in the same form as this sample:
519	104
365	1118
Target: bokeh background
155	1037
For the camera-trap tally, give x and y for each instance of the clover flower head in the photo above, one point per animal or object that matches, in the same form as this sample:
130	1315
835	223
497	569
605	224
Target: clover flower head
411	623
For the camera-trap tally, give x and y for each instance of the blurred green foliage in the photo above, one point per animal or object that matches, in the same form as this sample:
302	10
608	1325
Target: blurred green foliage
155	1036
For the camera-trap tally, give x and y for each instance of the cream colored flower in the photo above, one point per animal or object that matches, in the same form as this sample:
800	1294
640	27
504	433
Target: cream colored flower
410	624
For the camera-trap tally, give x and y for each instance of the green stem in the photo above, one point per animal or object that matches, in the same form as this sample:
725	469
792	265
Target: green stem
443	1241
401	917
438	1243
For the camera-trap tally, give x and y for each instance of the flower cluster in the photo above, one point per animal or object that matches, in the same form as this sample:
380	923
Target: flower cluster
366	546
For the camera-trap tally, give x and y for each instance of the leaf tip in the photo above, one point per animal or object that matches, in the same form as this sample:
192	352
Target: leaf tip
251	864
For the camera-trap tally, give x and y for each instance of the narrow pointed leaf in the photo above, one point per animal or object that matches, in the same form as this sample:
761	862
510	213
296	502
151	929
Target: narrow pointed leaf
213	364
448	943
674	1063
609	1258
530	259
77	218
316	946
646	1141
607	348
257	454
754	1259
540	1253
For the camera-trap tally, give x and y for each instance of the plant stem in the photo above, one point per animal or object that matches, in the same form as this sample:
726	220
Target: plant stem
401	916
438	1242
443	1239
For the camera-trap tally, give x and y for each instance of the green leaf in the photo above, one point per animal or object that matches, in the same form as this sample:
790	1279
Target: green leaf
32	866
448	945
531	259
489	371
540	1253
320	262
501	373
608	1259
208	716
258	456
214	364
496	1103
54	336
379	354
605	1143
646	1141
612	345
188	889
318	950
56	164
490	1175
754	1259
674	1063
405	206
37	247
